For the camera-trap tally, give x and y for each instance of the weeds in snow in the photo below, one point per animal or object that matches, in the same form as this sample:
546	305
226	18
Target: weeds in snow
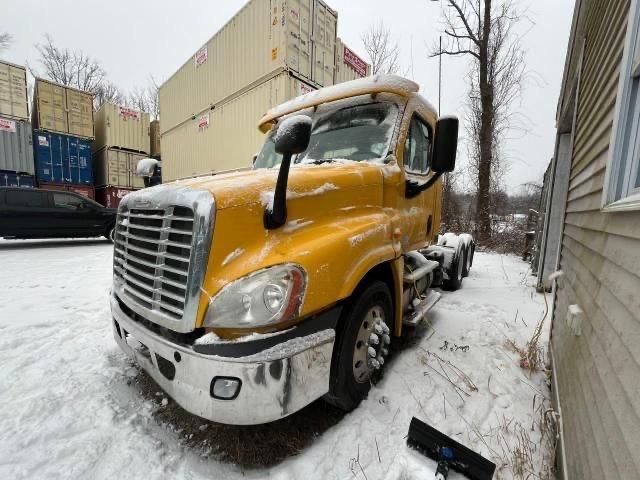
532	354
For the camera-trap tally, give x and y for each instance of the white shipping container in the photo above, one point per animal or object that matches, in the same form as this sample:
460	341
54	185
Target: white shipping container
226	137
349	66
262	39
122	127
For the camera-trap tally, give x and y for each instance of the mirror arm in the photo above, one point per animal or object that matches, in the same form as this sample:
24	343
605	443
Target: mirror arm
275	215
413	189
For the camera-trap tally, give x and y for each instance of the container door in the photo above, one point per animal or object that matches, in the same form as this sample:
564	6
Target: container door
85	163
73	167
18	87
298	34
52	107
136	181
80	106
44	165
5	89
111	167
123	169
324	44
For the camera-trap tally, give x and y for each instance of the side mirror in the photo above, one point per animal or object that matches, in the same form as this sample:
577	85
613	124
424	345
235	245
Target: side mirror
445	145
292	137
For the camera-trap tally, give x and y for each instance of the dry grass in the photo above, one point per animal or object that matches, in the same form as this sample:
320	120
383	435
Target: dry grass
532	354
246	446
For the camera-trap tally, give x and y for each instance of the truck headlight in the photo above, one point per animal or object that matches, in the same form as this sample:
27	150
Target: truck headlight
268	296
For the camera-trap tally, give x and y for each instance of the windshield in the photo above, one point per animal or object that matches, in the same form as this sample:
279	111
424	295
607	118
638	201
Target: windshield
352	132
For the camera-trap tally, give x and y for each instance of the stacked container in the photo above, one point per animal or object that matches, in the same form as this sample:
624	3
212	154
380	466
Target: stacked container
122	139
63	121
269	52
16	143
349	66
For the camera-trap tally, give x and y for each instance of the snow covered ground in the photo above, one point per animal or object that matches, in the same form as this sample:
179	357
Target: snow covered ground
73	406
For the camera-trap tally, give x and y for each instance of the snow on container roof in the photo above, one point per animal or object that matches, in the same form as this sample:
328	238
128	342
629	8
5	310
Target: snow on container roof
361	86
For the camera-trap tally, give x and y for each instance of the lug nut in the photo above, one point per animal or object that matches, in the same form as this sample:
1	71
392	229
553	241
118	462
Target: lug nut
374	339
386	339
372	352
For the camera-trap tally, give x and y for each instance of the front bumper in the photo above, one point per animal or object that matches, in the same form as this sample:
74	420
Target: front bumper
275	382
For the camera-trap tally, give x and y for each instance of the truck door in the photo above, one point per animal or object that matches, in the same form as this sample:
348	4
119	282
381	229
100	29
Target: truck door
417	213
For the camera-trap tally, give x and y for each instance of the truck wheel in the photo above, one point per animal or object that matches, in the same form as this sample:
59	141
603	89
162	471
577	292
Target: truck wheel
466	267
455	273
362	346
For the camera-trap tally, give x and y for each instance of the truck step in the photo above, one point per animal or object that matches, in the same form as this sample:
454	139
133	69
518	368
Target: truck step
412	319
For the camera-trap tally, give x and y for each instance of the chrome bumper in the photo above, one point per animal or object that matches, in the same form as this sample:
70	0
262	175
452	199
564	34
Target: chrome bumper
276	382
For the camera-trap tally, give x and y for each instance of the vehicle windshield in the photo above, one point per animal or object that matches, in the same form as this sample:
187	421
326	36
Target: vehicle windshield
349	132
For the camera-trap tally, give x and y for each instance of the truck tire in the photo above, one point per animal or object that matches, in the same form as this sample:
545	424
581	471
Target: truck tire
454	282
468	258
362	330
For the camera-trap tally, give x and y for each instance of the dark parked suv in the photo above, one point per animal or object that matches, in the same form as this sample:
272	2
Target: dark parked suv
33	213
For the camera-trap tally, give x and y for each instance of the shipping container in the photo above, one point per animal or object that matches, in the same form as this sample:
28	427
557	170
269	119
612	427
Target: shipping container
84	190
110	197
16	146
154	139
122	127
13	91
227	137
115	167
62	158
61	109
264	38
349	66
13	179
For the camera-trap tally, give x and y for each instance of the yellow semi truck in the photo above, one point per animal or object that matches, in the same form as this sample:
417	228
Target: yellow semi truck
247	295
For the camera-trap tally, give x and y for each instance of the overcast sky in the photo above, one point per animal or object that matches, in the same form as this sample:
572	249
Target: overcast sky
134	39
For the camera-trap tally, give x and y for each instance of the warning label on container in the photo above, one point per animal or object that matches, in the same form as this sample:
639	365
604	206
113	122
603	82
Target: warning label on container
355	62
7	125
304	88
43	141
201	56
127	113
203	122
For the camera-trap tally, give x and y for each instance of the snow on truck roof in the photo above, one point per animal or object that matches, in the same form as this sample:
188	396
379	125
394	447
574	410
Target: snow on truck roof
362	86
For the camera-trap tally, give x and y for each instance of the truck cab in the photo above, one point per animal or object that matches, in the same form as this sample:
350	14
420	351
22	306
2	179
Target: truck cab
247	295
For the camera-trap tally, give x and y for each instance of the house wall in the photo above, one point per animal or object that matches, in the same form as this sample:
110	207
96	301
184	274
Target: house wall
598	370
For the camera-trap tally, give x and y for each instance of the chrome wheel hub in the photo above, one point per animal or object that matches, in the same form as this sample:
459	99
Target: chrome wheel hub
372	345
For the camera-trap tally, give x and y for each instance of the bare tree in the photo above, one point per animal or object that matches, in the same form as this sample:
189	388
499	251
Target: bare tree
145	99
107	92
484	31
5	41
70	68
383	53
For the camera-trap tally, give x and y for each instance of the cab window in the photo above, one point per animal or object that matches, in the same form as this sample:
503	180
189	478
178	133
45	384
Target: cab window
417	148
64	200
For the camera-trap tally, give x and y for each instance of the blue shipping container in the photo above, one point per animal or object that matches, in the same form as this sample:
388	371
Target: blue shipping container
62	158
13	179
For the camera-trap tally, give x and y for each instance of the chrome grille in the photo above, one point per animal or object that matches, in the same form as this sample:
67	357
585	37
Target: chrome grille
152	256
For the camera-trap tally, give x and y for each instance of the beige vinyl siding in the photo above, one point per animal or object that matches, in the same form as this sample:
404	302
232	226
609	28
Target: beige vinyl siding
231	138
598	371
